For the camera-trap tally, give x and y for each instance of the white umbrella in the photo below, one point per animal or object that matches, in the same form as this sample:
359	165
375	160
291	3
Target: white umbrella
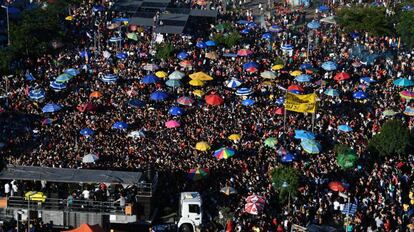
329	19
268	75
89	158
136	134
176	75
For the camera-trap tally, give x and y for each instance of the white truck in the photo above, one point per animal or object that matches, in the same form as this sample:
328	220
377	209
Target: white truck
191	214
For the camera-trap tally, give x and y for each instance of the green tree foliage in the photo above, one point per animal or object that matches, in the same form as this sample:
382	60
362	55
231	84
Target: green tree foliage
284	174
164	51
393	139
227	40
225	214
405	28
346	157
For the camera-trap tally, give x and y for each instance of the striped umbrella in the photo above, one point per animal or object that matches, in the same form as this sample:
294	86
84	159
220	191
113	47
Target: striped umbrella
109	78
233	83
224	153
57	86
51	108
311	146
36	94
409	110
406	94
198	173
63	78
244	92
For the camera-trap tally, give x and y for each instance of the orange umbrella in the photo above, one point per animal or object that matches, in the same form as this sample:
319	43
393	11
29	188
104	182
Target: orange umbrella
95	94
214	100
336	186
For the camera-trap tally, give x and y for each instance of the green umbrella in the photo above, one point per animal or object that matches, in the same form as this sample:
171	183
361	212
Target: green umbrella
132	36
63	78
271	142
388	113
347	160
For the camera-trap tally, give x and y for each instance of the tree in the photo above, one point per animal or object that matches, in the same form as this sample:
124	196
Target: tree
286	181
227	40
346	157
164	51
225	214
405	28
393	139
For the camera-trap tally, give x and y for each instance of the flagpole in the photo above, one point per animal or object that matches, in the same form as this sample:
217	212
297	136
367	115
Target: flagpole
313	122
284	119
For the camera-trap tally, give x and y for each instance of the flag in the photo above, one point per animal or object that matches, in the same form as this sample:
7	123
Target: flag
302	103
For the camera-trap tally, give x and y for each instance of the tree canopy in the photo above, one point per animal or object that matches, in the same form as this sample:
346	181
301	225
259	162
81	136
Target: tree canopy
282	176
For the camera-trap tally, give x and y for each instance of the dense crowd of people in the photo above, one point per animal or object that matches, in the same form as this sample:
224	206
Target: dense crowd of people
381	188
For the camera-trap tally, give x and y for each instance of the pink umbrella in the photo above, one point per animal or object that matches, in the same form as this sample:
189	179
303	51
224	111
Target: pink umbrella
253	208
187	101
244	52
255	199
172	124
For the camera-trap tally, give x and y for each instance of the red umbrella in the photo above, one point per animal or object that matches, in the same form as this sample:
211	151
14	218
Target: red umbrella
251	70
342	76
296	87
280	111
84	107
244	52
255	199
254	204
336	186
214	100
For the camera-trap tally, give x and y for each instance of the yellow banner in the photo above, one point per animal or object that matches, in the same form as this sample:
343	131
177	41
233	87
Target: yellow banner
305	103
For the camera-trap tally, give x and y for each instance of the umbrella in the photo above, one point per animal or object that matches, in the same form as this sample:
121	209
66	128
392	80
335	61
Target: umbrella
212	55
329	19
332	92
224	153
158	96
161	74
51	108
336	186
356	64
220	27
95	94
121	55
244	92
185	64
90	158
388	113
150	79
69	18
37	94
296	88
12	10
406	94
214	100
342	76
234	137
233	83
187	101
176	75
97	8
314	25
136	134
302	134
245	31
286	47
403	82
251	70
271	142
275	28
248	102
120	125
136	103
346	161
198	92
267	36
85	107
29	77
409	110
47	121
172	124
150	67
176	111
201	2
173	83
202	146
329	66
201	44
280	101
182	55
63	78
280	111
132	36
367	80
254	205
268	75
230	55
211	43
360	95
86	132
311	146
251	25
323	8
303	78
288	158
109	78
296	73
228	190
197	173
244	52
72	71
344	128
196	82
202	76
305	66
277	67
250	64
85	53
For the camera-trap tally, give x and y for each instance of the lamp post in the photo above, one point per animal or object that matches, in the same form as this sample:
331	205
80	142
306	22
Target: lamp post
8	24
285	185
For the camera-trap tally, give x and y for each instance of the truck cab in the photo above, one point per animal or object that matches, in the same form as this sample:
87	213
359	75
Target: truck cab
190	210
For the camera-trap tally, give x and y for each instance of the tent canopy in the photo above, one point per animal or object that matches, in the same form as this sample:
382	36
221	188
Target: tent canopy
86	228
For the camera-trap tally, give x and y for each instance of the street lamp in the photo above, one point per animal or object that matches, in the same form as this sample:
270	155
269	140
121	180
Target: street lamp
285	185
8	24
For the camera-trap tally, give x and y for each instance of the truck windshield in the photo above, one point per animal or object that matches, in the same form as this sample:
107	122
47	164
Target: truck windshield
194	208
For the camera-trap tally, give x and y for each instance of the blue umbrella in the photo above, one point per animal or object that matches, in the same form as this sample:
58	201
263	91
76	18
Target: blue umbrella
211	43
403	82
121	55
250	65
86	132
233	83
302	134
251	25
267	36
120	125
36	94
314	25
150	79
173	83
355	35
51	108
329	66
344	128
245	31
72	71
230	55
303	78
360	95
287	47
29	77
288	158
244	92
332	92
305	66
367	80
311	146
323	8
97	8
136	103
248	102
120	20
176	111
201	44
280	101
85	53
182	55
57	85
159	96
275	28
109	78
63	78
243	22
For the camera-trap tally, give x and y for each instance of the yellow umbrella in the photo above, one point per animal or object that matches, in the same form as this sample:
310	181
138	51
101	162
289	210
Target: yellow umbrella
277	67
234	137
196	82
295	73
202	76
198	92
267	83
69	18
212	55
161	74
202	146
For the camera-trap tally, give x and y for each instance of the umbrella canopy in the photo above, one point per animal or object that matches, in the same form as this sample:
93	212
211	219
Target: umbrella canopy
314	25
202	146
176	111
296	73
176	75
136	103
346	161
288	158
201	76
271	142
196	82
182	55
161	74
159	96
172	124
233	83
150	67
201	44
303	134
267	36
254	204
336	186
245	31
186	101
173	83
211	43
132	36
244	92
311	146
360	95
72	71
121	55
406	94
250	64
109	78
268	75
234	137
388	113
409	110
198	92
224	153
344	128
136	134
150	79
63	78
280	111
51	108
329	66
197	173
248	102
120	125
37	94
244	52
332	92
212	55
297	88
342	76
95	94
90	158
186	64
97	8
86	132
403	82
277	67
323	8
228	190
275	28
214	100
287	47
303	78
305	66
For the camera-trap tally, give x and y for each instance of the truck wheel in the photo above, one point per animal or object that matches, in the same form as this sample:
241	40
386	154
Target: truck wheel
186	228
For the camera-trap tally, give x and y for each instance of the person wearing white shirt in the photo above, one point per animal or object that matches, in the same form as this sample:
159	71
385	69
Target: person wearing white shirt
86	194
7	189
